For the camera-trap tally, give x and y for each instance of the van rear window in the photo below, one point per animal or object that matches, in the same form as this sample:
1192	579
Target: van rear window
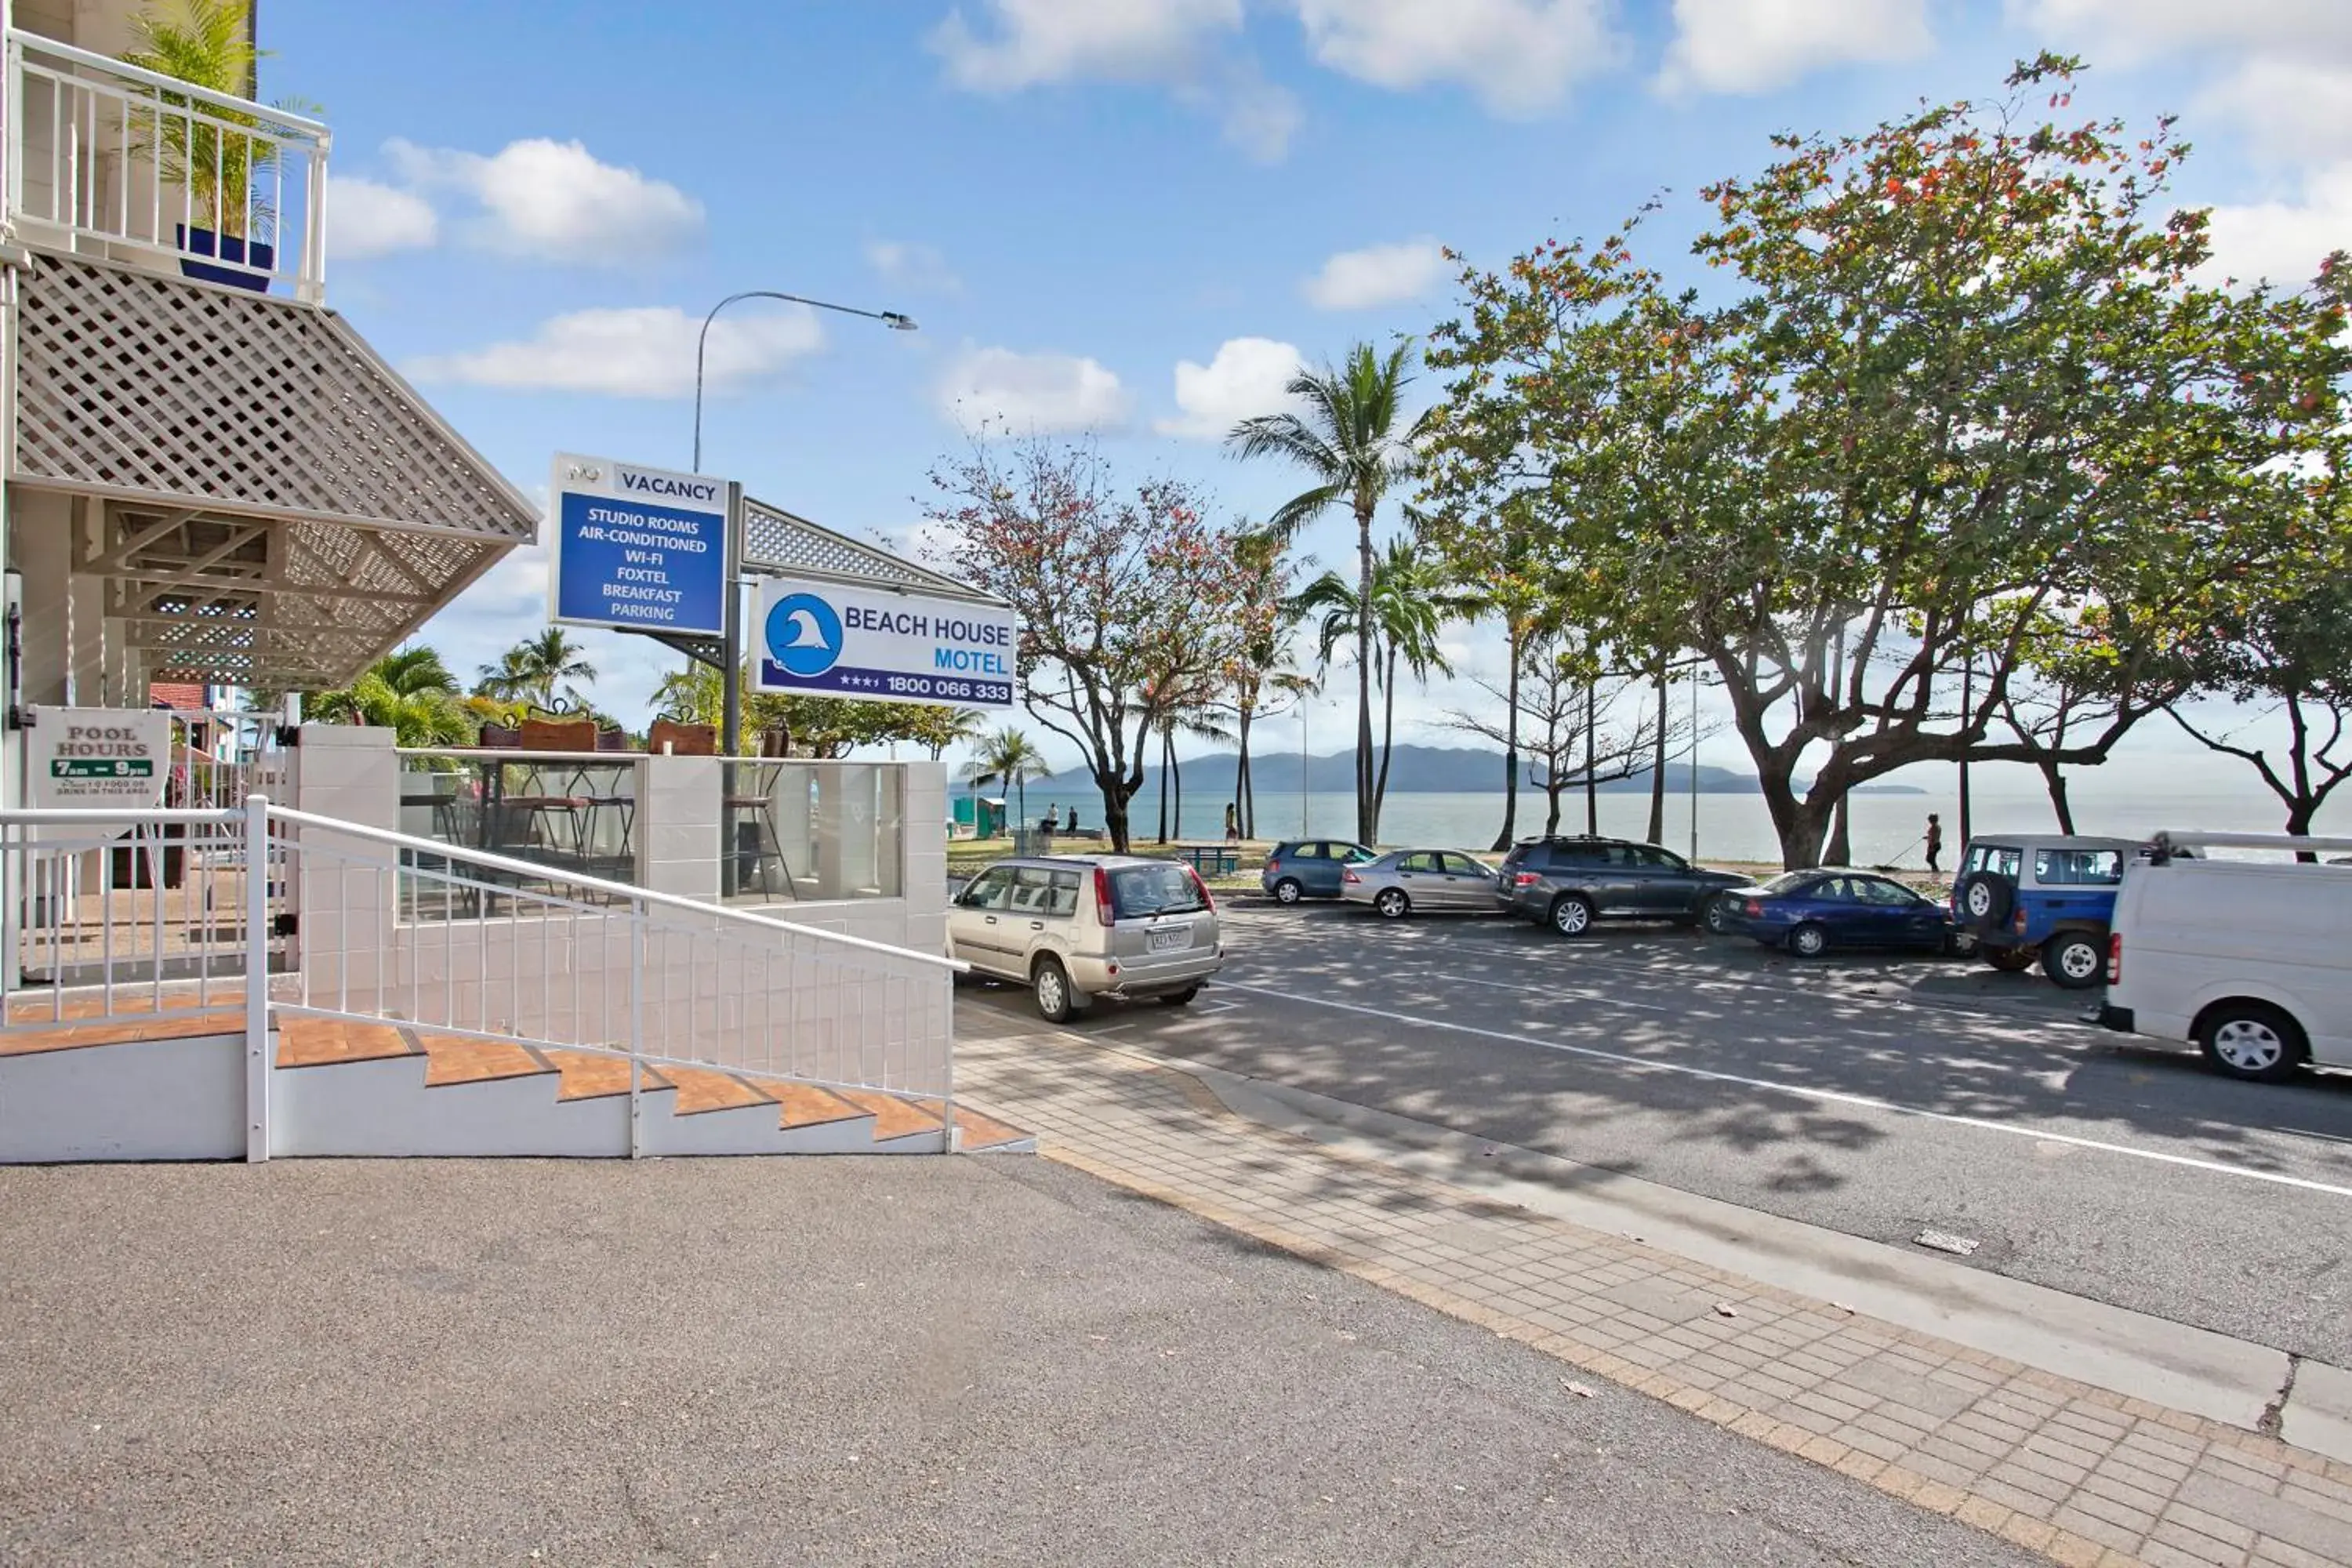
1139	893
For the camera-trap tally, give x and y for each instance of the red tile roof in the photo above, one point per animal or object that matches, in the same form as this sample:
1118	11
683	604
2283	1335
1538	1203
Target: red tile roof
180	694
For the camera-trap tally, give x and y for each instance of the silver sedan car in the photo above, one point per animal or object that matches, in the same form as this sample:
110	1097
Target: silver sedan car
1420	881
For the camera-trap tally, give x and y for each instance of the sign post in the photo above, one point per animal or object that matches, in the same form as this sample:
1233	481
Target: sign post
876	645
639	550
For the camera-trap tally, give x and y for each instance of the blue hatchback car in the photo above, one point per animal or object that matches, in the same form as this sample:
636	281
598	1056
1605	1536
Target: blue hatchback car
1309	867
1810	912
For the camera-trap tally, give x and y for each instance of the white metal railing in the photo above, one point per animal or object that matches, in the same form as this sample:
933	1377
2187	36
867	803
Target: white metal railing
652	978
104	154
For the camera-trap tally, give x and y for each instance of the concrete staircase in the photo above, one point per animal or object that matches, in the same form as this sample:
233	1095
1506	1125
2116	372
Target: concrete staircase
169	1084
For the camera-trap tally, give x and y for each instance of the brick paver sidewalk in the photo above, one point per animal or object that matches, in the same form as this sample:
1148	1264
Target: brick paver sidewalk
2080	1474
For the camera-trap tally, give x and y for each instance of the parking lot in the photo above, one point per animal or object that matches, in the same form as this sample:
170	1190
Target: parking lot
1876	1095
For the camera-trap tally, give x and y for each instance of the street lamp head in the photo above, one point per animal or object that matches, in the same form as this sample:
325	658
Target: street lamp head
897	323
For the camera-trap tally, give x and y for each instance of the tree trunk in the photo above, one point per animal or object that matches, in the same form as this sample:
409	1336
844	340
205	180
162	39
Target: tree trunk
1114	819
1387	733
1244	792
1841	845
1592	765
1176	784
2053	779
1658	767
1554	787
1839	850
1167	741
1802	824
1511	748
1367	815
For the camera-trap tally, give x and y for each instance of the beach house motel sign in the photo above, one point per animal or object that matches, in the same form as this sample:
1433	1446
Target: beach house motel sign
876	645
636	550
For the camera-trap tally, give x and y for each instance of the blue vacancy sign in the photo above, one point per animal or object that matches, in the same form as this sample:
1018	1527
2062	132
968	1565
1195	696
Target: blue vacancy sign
640	550
877	646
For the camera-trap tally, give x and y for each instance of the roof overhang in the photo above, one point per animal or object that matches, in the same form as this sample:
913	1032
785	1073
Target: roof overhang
269	503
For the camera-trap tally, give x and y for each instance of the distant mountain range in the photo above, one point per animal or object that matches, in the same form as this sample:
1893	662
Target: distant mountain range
1412	770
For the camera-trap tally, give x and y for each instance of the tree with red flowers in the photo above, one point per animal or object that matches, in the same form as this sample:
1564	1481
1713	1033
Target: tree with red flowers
1127	600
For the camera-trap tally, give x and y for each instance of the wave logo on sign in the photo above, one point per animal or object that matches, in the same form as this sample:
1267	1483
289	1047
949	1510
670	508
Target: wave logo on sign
803	635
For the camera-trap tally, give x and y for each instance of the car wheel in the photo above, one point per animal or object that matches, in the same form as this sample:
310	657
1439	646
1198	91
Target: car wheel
1287	892
1393	904
1059	1001
1181	998
1808	940
2075	961
2249	1040
1718	915
2008	960
1572	915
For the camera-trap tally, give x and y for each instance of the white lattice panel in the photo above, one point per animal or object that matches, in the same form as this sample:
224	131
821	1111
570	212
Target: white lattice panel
777	541
142	383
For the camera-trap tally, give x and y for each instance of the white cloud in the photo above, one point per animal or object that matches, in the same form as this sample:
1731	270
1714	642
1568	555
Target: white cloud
1519	56
1035	42
2285	241
1181	45
1024	393
367	219
646	351
1753	45
1245	378
2293	110
2134	29
554	200
1376	275
917	267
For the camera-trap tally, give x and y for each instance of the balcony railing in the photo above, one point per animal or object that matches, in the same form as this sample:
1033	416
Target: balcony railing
108	159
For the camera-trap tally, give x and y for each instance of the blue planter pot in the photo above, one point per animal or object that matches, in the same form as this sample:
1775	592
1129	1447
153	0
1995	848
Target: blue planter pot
225	258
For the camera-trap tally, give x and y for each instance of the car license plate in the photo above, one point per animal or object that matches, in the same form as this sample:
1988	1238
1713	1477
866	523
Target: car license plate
1172	938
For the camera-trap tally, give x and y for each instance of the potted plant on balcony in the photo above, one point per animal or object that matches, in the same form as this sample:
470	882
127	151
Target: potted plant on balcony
218	154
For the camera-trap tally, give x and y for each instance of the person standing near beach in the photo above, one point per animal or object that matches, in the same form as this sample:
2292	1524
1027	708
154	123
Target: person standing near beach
1935	842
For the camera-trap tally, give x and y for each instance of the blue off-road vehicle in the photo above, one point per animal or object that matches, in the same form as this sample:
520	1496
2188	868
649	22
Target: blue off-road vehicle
2023	897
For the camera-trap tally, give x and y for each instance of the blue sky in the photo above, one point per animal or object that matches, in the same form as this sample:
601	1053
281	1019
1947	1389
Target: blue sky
1080	199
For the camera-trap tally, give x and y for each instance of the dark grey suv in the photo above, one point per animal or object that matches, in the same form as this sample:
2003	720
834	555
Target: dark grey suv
1569	883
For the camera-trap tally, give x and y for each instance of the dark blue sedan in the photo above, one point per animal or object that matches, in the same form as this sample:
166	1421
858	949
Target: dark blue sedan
1810	912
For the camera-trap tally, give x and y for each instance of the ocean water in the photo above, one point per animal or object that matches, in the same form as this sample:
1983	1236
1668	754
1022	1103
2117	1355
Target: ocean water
1883	830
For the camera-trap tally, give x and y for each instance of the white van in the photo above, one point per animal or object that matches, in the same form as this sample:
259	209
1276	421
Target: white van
2252	960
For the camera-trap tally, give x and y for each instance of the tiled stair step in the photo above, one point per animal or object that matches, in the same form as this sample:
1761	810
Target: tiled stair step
47	1023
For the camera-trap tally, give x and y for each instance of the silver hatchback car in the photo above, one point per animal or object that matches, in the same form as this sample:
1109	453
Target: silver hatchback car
1076	927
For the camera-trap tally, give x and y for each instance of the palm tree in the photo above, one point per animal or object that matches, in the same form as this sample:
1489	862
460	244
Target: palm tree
1191	711
426	717
1355	442
409	673
530	671
1012	758
221	156
1268	616
1411	607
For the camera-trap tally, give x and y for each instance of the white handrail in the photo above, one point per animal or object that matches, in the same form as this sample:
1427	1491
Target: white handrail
66	816
621	891
90	60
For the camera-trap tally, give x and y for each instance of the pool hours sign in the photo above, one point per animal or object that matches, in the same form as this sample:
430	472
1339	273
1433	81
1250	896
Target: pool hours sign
636	549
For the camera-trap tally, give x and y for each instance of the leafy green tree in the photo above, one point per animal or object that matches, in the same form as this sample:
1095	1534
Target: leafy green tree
409	693
1410	607
2291	656
1965	378
1010	758
530	671
208	43
1258	674
1126	603
1357	446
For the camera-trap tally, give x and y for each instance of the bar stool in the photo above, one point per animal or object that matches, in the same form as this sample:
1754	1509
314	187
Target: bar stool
766	845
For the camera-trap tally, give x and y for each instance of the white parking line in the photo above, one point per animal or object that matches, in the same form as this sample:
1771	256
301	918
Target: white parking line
1824	1095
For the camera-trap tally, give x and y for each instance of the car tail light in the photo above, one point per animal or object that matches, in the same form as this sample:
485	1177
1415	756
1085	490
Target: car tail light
2115	958
2018	924
1102	897
1273	865
1526	879
1349	876
1755	908
1207	903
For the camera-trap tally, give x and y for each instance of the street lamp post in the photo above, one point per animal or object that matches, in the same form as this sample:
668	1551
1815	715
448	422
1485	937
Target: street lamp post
730	674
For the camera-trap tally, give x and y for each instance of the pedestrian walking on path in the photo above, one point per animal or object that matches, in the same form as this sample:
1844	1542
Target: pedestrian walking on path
1935	842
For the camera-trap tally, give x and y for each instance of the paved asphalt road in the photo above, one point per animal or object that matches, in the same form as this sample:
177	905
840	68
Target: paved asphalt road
2124	1173
758	1361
